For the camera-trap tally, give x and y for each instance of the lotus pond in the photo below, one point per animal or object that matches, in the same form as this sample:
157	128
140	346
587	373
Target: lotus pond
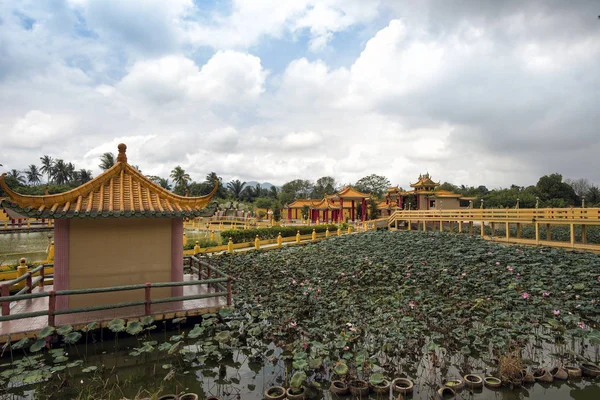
428	305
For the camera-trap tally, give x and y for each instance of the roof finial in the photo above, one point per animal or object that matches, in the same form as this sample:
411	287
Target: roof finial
122	157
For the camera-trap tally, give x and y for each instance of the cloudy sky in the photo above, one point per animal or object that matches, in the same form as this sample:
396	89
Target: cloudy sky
474	92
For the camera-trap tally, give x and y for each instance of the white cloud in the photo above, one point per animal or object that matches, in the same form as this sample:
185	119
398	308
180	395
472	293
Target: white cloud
36	129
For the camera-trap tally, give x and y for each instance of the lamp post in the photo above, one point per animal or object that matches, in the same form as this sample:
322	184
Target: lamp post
582	201
481	205
517	206
470	204
537	202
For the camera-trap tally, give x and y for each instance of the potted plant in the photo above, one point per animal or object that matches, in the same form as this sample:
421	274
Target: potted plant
296	391
455	384
359	388
339	387
275	393
379	384
473	381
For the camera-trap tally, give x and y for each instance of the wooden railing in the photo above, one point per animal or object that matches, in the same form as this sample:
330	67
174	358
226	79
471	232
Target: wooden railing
222	282
30	283
497	215
25	223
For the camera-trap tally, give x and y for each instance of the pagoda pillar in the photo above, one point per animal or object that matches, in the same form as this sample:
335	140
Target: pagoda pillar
61	260
289	214
364	210
341	210
400	198
177	255
352	212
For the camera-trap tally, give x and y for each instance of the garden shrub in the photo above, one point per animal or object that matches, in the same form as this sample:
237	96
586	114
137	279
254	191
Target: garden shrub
202	242
248	235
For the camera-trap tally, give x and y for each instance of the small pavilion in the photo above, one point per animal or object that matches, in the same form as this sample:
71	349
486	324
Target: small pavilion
424	196
120	228
336	207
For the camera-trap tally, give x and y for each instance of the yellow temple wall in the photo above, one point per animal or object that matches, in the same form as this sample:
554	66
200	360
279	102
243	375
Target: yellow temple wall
114	252
447	203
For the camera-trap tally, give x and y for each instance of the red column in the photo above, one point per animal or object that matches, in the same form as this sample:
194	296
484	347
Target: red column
289	214
353	211
326	216
341	210
61	260
177	255
364	209
400	198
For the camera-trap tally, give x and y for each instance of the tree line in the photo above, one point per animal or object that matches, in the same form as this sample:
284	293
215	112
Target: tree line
550	190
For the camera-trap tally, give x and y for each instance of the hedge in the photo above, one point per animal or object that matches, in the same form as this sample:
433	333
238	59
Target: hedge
248	235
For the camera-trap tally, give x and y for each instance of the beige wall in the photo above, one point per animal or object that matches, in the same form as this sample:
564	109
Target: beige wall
446	203
114	252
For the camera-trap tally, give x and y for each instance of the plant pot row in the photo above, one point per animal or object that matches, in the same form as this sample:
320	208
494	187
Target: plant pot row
279	393
186	396
360	388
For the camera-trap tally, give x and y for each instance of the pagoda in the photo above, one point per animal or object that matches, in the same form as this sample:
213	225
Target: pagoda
120	228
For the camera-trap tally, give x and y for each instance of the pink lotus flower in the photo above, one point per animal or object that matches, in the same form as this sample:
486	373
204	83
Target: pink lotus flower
411	304
509	268
525	295
294	282
408	274
301	283
581	324
577	296
546	294
518	276
343	274
293	324
346	348
352	329
556	312
463	274
497	262
598	278
318	290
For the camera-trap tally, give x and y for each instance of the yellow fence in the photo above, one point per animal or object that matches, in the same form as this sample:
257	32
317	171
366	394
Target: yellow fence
536	217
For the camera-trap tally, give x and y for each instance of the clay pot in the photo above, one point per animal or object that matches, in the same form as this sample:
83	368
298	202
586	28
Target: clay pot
492	382
383	387
574	371
589	369
559	373
275	393
455	384
473	381
168	397
542	375
339	388
527	376
403	385
359	388
295	394
446	393
188	396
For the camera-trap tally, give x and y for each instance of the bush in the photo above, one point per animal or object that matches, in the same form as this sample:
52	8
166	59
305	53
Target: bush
202	242
248	235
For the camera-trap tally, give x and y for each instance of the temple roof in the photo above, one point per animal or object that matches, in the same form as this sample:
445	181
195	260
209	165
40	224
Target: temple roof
425	181
326	204
350	193
121	191
446	193
299	203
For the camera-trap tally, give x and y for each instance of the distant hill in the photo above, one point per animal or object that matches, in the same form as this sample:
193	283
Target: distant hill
264	185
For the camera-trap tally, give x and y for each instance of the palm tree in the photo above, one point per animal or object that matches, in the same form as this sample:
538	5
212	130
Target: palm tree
17	175
83	175
47	163
107	160
162	182
180	178
71	172
236	187
33	174
60	172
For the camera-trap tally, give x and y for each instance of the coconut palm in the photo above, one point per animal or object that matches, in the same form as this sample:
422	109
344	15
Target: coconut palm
47	163
33	174
107	160
236	187
162	182
16	174
180	178
83	176
60	172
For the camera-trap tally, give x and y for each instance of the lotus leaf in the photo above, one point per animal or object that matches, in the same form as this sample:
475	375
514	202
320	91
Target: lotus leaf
38	345
72	337
20	344
47	331
64	330
116	325
134	327
298	379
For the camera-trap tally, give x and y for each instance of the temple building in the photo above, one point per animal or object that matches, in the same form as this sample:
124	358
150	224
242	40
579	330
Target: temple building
120	228
424	196
339	207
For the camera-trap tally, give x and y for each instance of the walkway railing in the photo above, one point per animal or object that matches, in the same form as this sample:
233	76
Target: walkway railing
536	217
222	282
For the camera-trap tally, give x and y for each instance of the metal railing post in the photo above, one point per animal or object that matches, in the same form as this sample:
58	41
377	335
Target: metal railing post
28	282
43	276
5	292
51	308
229	290
147	309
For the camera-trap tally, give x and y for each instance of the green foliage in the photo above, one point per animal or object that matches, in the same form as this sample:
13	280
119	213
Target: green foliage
249	235
202	242
373	184
298	379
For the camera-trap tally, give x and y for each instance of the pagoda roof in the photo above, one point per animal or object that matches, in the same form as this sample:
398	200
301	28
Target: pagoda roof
349	192
425	181
121	191
299	203
325	204
446	193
